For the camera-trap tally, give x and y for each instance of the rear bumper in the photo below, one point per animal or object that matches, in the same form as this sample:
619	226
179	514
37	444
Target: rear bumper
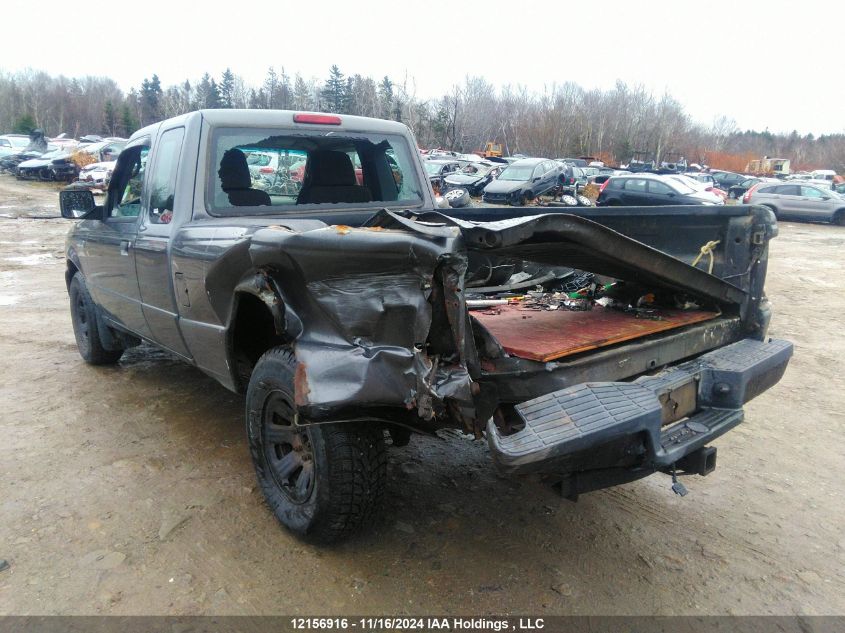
626	428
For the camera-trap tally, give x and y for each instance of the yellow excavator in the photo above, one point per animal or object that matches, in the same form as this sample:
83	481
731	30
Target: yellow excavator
491	150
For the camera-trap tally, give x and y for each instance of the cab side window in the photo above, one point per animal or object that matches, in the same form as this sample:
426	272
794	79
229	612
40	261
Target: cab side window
127	183
162	182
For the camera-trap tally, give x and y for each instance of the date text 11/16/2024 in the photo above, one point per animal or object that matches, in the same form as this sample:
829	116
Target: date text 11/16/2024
418	623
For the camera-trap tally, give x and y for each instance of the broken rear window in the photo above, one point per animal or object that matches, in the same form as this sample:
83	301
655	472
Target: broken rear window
271	171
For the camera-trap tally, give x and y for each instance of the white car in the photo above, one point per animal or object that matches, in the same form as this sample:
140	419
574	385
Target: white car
12	143
97	175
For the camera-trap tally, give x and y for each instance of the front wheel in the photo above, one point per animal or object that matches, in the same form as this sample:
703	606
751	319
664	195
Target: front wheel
322	481
83	314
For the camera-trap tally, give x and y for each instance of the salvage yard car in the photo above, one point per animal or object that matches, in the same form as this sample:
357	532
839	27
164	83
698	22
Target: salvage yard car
726	179
473	177
348	312
798	200
522	181
12	143
653	189
63	163
96	175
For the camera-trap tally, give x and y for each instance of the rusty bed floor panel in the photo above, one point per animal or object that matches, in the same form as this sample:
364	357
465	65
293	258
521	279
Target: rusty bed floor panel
551	334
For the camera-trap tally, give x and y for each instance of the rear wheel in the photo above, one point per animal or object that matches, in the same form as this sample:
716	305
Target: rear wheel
85	326
322	481
772	209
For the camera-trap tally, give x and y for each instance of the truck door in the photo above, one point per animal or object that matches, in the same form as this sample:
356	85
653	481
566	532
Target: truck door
106	257
152	246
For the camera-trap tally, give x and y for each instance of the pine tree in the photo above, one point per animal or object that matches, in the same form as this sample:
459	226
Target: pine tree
271	89
350	102
207	94
186	98
133	105
212	100
258	99
128	122
285	91
151	100
333	92
25	124
385	94
227	89
301	95
109	118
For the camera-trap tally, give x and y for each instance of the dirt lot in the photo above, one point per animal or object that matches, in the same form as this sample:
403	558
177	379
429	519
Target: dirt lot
129	490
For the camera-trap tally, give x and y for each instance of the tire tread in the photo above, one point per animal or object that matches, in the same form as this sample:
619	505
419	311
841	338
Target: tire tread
356	468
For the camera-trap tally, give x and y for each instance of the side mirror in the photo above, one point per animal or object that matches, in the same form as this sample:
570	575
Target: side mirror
825	197
77	204
537	179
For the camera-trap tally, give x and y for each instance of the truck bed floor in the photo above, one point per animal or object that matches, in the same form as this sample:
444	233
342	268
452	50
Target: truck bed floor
545	335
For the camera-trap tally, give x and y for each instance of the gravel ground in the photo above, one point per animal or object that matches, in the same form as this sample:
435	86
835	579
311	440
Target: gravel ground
129	490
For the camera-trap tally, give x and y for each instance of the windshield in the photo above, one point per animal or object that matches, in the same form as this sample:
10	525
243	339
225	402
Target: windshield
682	186
353	169
93	148
517	172
18	141
52	153
432	169
477	169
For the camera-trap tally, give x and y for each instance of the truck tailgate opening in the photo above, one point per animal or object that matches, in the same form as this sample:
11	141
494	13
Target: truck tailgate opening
546	335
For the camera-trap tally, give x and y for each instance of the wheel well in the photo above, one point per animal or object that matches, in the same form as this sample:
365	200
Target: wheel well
70	272
253	333
839	216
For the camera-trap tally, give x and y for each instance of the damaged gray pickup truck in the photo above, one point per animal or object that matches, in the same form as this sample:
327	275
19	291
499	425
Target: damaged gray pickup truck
590	350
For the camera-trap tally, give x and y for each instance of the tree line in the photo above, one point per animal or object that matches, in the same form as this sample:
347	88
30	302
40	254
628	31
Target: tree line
565	119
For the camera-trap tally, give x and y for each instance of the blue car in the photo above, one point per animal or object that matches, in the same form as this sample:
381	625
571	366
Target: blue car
522	181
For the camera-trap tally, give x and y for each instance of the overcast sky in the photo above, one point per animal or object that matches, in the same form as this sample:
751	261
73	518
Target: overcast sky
768	64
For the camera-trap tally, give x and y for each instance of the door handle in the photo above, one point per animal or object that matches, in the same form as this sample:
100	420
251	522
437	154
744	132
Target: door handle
125	245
